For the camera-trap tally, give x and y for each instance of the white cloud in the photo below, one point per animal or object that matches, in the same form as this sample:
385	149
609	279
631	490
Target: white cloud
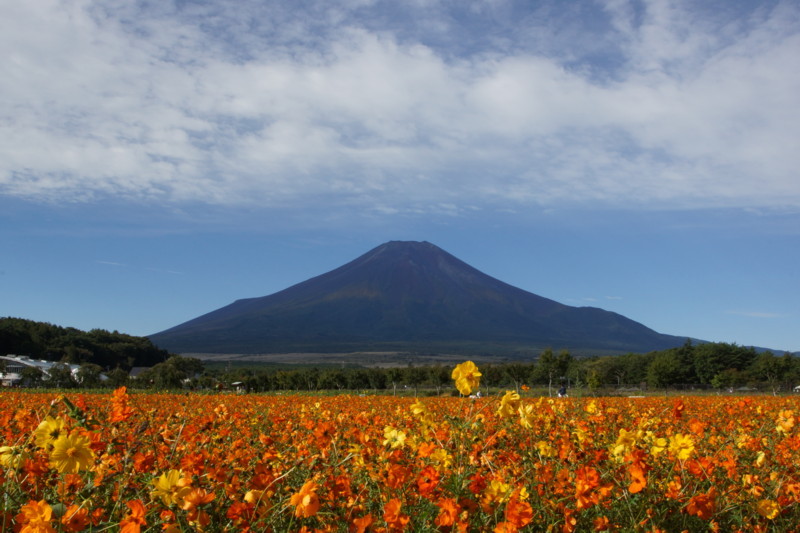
113	99
756	314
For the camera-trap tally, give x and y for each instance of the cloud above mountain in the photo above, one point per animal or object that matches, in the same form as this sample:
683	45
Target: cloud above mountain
408	107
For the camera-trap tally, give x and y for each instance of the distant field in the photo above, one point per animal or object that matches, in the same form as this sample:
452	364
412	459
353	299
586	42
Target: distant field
362	359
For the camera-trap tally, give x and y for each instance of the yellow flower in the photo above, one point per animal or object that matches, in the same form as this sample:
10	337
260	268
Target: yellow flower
393	437
785	421
681	446
526	416
419	409
625	442
48	431
659	445
71	453
768	509
509	404
11	456
467	377
441	457
545	450
171	487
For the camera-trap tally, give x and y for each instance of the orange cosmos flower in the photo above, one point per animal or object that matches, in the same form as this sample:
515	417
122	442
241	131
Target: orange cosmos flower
466	377
448	512
703	505
505	527
518	512
195	498
427	480
306	501
134	521
75	518
360	525
120	411
35	517
394	519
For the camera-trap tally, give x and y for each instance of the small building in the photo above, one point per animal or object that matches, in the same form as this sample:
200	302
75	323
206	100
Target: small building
12	366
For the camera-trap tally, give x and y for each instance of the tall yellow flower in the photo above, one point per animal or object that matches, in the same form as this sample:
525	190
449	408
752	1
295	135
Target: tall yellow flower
48	431
171	487
71	453
681	446
466	377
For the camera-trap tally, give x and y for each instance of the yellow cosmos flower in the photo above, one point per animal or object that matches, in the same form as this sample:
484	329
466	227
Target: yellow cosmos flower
526	416
171	487
71	453
11	456
48	431
419	409
768	509
509	404
659	445
681	446
393	437
545	450
625	443
467	377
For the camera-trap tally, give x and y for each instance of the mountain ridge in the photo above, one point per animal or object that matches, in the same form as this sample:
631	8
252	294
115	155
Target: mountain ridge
407	295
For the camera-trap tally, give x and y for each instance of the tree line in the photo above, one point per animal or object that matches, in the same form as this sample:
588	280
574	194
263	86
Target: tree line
691	366
108	350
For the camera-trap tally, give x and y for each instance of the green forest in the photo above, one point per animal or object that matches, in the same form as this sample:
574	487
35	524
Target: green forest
109	350
699	366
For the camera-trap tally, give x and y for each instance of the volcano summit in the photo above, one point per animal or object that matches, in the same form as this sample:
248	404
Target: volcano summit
408	296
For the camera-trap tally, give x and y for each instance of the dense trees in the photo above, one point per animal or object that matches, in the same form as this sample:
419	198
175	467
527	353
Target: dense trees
69	345
714	365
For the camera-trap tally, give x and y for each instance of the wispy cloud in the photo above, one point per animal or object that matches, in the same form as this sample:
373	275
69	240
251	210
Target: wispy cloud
756	314
666	104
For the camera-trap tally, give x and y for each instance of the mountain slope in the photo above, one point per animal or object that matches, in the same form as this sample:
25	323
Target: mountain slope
406	296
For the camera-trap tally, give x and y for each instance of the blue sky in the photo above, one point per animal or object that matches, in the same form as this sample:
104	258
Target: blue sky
162	159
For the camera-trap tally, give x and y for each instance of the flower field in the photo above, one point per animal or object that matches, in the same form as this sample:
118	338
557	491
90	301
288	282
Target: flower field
193	462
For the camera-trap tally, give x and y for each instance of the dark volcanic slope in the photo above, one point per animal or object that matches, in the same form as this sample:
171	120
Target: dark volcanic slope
406	295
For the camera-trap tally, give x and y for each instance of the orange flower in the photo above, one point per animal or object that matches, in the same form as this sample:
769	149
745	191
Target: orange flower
306	501
448	512
35	517
135	520
391	514
119	406
427	480
518	512
196	498
360	525
505	527
75	518
703	505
